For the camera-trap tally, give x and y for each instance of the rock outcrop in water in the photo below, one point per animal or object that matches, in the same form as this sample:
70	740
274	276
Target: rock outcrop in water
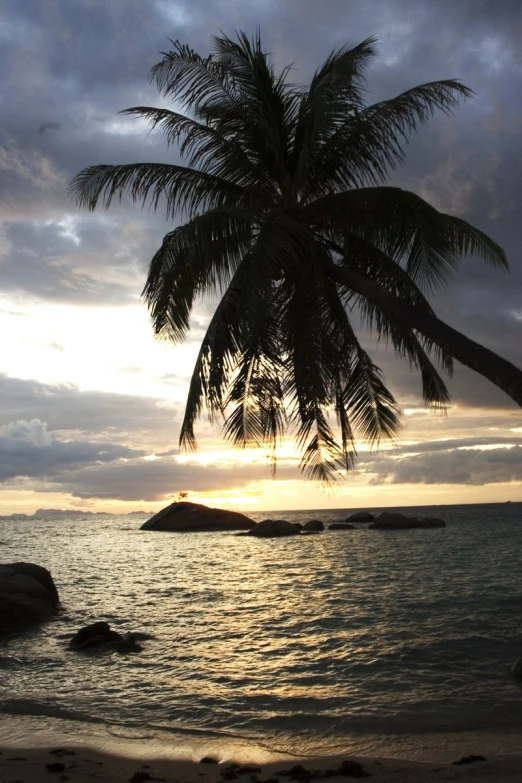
314	525
28	595
361	516
185	517
274	528
341	526
395	521
100	637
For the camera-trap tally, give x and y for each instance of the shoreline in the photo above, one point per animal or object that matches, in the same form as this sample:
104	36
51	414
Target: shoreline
19	732
82	764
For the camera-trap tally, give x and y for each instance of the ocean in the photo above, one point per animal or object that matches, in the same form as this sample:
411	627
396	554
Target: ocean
393	643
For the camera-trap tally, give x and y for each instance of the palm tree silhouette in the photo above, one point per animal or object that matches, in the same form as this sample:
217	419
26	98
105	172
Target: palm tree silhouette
289	218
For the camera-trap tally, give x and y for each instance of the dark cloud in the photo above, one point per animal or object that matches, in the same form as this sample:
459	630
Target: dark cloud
74	65
139	422
456	466
27	448
65	260
143	480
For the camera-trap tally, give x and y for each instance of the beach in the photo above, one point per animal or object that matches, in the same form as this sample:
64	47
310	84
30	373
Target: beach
83	765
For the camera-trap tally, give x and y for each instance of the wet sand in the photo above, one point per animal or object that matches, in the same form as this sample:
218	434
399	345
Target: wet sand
83	765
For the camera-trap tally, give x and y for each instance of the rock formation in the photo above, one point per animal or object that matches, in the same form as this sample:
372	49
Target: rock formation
185	517
313	525
100	636
361	516
396	521
28	595
274	528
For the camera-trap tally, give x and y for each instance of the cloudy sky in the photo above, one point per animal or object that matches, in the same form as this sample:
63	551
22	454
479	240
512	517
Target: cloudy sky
90	403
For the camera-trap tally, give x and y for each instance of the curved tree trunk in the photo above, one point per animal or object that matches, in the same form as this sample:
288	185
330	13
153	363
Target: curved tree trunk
499	371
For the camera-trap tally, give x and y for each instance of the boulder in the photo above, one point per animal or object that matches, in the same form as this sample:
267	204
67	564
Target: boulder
28	595
185	517
431	522
361	516
341	526
516	669
393	520
274	528
314	525
396	521
99	637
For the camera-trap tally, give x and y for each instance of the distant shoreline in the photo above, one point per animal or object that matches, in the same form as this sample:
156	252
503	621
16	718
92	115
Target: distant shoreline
52	513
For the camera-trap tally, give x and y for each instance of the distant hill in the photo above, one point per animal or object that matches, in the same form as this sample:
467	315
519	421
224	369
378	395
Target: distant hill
53	513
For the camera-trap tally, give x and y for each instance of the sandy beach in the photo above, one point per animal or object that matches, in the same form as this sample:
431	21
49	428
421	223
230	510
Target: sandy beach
82	764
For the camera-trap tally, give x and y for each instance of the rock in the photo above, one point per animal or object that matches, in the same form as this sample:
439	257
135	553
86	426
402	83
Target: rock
395	521
341	526
351	769
516	669
274	528
470	759
185	517
297	772
140	776
431	522
28	595
313	524
100	636
361	516
55	766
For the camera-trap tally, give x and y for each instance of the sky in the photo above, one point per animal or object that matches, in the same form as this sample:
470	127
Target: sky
91	403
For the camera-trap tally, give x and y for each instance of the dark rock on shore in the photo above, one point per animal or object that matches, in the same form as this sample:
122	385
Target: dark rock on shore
28	595
470	759
274	528
185	517
347	769
395	521
341	526
361	516
100	636
313	524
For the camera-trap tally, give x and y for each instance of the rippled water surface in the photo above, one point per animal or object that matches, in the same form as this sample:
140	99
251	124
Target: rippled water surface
300	644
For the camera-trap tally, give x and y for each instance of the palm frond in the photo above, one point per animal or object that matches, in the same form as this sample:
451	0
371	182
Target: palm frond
183	190
322	458
205	148
470	241
370	143
428	243
335	93
193	81
372	408
216	360
269	103
197	258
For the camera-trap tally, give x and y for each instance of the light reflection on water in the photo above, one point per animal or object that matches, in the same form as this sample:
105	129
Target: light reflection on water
301	643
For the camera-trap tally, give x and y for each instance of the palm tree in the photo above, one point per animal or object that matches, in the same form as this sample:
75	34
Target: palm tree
286	213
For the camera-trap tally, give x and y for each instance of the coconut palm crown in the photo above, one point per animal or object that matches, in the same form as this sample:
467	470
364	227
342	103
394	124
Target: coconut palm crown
286	214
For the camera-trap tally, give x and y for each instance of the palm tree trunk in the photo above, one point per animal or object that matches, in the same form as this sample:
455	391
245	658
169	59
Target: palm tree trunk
499	371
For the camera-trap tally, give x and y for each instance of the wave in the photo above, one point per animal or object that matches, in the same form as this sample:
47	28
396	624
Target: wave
35	708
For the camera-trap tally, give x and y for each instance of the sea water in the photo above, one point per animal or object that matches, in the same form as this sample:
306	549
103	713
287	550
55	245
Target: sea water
390	643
